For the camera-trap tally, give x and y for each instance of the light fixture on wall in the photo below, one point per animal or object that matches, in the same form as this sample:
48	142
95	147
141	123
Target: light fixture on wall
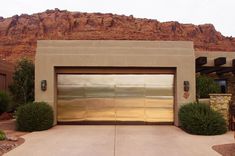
44	85
186	86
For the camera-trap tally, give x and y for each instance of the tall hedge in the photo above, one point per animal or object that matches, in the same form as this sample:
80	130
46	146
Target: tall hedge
206	85
22	87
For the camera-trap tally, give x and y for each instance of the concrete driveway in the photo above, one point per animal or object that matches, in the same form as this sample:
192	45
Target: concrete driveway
118	141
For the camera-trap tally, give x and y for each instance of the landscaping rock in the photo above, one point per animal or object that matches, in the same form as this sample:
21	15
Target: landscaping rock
7	147
11	138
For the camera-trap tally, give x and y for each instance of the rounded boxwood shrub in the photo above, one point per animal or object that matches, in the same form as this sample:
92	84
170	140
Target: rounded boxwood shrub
35	116
199	118
2	135
4	102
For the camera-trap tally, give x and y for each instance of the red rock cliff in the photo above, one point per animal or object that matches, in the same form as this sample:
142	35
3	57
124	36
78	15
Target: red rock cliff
18	34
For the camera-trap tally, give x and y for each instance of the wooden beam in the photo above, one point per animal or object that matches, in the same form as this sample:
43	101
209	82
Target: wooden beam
201	61
209	70
233	63
220	61
225	70
201	68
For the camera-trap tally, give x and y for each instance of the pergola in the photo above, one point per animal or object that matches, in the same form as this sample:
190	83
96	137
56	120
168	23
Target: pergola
218	67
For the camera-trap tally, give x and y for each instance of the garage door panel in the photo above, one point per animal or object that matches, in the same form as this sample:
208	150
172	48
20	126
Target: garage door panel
101	114
99	91
129	90
130	114
154	91
130	102
70	108
71	90
158	114
71	113
99	102
100	109
159	120
156	102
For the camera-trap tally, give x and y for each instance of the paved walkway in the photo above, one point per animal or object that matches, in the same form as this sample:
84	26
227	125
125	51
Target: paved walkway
118	141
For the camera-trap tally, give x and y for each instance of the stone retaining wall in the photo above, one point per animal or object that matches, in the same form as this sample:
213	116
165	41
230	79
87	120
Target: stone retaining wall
220	103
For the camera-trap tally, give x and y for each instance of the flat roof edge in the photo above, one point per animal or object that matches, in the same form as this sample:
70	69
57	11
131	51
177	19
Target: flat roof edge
115	43
215	52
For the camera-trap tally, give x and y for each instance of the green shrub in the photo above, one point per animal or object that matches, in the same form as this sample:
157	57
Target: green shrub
199	118
206	85
4	102
35	116
2	135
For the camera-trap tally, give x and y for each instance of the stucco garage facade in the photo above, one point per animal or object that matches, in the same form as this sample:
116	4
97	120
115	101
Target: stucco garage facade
69	67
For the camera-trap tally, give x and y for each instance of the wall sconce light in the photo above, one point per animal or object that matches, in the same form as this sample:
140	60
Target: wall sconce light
186	86
44	85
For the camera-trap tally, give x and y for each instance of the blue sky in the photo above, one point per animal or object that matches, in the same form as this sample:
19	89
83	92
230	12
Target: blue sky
218	12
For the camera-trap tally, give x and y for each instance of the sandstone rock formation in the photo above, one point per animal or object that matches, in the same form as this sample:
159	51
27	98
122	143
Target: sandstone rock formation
19	34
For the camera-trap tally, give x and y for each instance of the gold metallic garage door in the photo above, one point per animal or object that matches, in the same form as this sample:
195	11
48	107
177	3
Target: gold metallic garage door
115	97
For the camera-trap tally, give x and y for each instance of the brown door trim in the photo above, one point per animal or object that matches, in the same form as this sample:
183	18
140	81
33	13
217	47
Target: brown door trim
113	123
114	70
117	70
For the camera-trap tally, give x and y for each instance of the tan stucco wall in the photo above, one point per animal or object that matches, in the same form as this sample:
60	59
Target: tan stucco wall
99	53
